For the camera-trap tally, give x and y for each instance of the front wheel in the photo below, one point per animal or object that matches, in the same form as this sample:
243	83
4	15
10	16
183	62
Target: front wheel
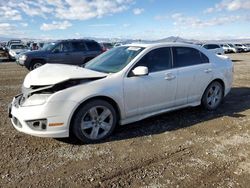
36	64
94	121
213	96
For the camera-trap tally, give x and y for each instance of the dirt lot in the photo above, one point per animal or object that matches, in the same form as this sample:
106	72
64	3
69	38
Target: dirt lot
187	148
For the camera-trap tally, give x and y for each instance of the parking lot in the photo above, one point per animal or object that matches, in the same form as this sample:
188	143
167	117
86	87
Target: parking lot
185	148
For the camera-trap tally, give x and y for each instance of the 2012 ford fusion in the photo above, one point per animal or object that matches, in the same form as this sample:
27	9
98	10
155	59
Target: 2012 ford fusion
121	86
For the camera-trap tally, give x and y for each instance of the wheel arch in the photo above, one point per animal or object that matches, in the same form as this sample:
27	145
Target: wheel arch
216	80
36	59
105	98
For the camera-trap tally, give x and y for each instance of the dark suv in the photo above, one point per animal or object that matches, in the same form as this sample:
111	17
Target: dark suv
74	52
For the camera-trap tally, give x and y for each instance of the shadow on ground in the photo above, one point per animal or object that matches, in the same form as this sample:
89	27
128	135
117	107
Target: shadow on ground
236	102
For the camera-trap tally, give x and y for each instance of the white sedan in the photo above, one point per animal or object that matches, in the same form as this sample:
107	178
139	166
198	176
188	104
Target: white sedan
216	48
121	86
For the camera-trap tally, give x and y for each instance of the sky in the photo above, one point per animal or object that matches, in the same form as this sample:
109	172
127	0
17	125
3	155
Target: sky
133	19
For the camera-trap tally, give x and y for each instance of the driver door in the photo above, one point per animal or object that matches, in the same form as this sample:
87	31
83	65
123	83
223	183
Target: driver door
155	91
60	54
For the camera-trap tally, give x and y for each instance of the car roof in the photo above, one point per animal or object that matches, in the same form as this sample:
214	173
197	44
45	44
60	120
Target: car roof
167	44
76	40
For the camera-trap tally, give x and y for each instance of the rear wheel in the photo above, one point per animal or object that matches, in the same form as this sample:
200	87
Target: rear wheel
94	121
213	96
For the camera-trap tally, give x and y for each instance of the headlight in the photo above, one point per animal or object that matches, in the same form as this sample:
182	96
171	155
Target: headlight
12	53
34	100
23	57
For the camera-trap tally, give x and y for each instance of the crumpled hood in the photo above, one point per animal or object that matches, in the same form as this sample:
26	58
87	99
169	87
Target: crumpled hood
50	74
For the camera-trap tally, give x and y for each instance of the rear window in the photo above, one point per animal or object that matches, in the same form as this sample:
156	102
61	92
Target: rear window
93	46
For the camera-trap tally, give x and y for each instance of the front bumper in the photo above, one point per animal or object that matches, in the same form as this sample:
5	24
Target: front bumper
52	112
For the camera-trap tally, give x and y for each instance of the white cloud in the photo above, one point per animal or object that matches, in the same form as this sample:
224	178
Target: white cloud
24	24
138	11
55	25
230	5
7	13
65	9
7	29
102	25
182	20
84	10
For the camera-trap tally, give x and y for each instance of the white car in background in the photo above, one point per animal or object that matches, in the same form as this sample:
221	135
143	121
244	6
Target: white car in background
216	48
121	86
15	49
228	49
243	47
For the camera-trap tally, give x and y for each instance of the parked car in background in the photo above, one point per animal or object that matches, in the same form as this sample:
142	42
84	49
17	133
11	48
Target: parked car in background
248	46
214	48
73	52
15	49
243	47
235	48
106	46
16	41
10	42
227	48
116	88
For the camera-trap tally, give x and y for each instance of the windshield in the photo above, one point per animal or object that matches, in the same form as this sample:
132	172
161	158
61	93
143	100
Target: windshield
231	45
114	60
49	46
17	47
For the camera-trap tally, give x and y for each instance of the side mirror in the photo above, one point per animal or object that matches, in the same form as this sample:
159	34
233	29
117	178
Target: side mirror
140	71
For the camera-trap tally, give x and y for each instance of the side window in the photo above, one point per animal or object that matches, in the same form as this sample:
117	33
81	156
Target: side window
157	60
78	46
62	47
185	56
204	58
93	46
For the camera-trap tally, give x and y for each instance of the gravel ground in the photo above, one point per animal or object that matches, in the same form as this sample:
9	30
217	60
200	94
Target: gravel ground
185	148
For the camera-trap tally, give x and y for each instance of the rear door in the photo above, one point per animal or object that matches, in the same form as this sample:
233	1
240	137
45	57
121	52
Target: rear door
194	73
93	49
79	52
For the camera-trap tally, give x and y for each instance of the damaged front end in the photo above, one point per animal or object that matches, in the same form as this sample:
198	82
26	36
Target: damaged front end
38	95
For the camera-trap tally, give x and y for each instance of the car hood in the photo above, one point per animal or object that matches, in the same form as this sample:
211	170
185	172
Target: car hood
19	50
50	74
35	53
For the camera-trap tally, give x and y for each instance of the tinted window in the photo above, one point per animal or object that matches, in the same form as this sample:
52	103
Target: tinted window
78	46
93	46
184	56
62	47
211	46
204	58
157	60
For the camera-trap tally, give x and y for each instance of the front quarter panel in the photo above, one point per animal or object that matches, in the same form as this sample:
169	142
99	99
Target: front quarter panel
110	87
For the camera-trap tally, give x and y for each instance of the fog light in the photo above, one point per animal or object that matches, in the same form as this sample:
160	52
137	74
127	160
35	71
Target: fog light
39	124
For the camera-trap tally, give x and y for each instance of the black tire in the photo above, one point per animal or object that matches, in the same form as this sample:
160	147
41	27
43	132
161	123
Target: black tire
83	132
35	64
216	97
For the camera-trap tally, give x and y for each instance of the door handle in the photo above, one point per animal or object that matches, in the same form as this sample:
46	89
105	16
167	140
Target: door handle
169	76
208	70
